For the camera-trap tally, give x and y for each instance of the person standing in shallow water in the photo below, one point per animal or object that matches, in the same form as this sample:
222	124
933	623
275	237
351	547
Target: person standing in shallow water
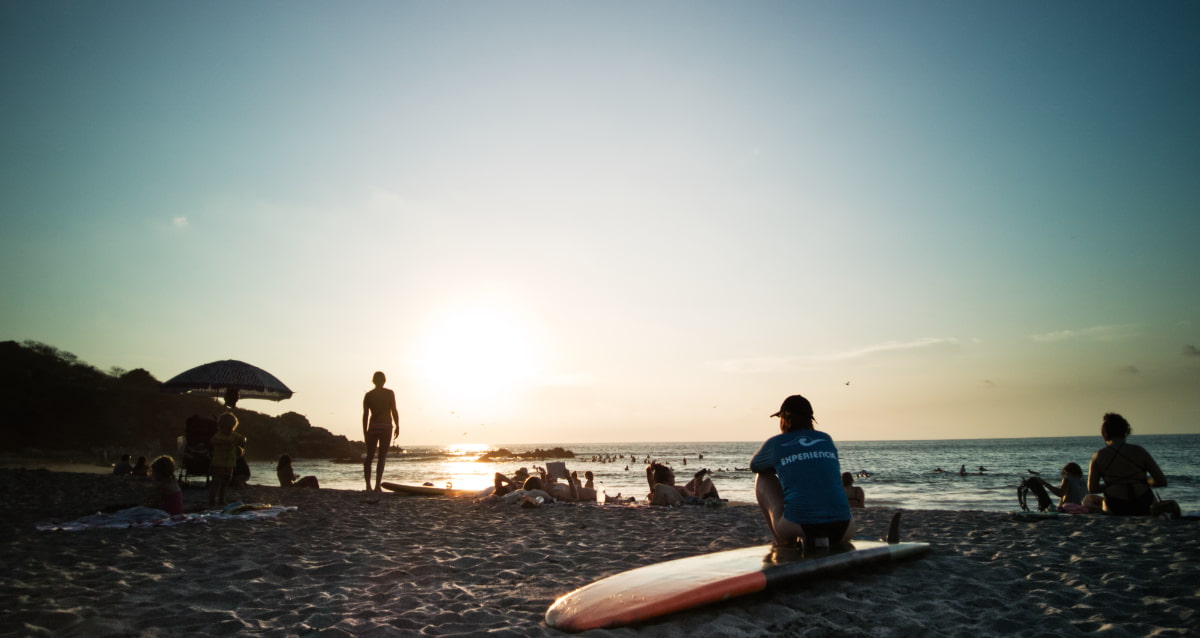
379	419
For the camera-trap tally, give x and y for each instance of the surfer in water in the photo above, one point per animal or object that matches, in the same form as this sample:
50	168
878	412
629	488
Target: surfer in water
799	482
379	419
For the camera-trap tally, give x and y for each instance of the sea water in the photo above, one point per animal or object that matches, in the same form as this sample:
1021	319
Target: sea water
902	473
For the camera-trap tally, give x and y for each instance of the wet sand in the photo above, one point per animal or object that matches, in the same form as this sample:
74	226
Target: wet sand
357	564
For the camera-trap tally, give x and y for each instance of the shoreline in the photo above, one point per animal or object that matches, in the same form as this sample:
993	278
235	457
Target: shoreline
16	462
356	563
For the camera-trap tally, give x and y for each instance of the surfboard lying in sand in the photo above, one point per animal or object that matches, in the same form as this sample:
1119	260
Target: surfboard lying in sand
427	490
657	590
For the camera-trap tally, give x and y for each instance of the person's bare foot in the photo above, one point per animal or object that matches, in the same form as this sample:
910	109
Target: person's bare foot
780	554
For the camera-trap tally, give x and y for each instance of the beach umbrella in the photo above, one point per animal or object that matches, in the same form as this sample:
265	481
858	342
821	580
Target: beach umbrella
230	379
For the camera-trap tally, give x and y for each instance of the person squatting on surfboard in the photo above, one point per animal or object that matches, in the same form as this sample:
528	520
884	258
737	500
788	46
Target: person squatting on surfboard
799	482
380	418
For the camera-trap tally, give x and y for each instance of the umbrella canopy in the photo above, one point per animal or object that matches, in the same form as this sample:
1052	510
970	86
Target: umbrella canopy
230	379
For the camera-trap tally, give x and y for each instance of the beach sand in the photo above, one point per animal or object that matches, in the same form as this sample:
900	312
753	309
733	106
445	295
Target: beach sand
358	564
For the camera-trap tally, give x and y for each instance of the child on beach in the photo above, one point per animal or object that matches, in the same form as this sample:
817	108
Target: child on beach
140	470
288	478
165	493
225	444
1072	489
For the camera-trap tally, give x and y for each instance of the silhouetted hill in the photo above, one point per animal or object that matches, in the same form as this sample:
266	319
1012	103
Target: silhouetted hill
50	402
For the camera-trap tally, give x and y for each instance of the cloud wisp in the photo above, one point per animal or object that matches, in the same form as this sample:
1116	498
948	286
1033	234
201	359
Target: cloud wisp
890	346
1095	333
790	363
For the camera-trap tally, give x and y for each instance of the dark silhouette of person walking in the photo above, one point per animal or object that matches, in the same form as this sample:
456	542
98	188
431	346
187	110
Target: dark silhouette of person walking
379	419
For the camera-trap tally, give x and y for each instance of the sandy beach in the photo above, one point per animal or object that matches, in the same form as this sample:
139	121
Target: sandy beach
357	564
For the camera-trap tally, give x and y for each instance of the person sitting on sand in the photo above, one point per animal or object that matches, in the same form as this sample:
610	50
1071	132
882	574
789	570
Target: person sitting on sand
701	486
1072	489
799	482
141	469
241	471
663	491
123	467
288	478
854	494
1119	470
165	493
587	491
225	444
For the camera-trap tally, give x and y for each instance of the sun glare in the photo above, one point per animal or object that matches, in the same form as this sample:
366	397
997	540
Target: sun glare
477	354
468	449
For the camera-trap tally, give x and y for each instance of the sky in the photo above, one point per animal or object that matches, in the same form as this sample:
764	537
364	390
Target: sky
557	222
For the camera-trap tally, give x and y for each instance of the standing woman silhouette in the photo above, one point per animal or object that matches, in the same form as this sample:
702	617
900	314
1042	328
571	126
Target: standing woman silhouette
379	419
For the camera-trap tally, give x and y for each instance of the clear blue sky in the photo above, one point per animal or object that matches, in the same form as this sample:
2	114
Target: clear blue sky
561	222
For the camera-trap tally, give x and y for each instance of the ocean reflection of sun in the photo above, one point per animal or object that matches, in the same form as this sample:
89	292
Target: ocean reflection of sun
475	356
462	471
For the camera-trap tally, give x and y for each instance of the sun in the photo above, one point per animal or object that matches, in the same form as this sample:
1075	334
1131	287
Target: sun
476	353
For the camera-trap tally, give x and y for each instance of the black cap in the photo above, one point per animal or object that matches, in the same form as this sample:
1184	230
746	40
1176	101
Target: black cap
795	404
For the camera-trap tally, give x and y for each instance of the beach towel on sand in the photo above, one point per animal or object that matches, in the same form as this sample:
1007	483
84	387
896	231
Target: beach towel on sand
142	517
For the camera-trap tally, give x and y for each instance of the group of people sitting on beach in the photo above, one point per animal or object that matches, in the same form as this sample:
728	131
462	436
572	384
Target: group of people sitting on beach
225	470
128	470
163	491
531	490
805	504
664	492
1121	477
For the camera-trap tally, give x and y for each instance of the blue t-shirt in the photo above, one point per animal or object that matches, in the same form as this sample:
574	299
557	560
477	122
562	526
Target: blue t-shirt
807	465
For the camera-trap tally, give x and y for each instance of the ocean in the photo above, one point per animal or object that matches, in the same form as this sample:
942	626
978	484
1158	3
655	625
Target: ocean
902	472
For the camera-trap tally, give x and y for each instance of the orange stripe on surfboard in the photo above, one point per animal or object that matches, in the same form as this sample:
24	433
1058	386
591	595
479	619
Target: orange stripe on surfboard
619	609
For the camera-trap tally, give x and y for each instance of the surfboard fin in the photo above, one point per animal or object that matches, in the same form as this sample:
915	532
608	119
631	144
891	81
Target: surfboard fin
893	536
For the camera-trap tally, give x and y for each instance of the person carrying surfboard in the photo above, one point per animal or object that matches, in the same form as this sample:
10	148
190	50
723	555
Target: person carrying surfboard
799	482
